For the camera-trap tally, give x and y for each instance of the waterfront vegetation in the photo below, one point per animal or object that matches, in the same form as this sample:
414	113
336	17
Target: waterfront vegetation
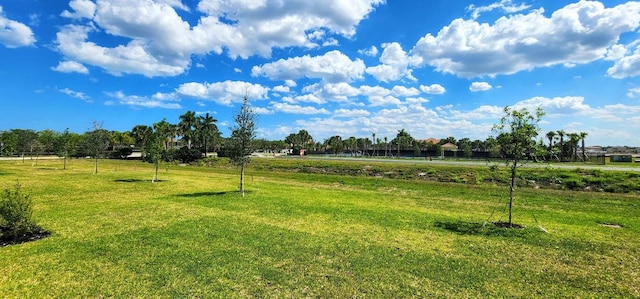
309	228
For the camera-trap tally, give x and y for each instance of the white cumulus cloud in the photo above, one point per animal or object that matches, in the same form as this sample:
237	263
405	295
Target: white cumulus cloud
70	67
224	93
14	34
480	86
578	33
394	64
333	66
433	89
158	41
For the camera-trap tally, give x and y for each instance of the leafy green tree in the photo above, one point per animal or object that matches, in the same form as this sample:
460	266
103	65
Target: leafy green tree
96	142
142	135
25	140
304	138
335	143
241	140
154	150
68	142
351	143
165	131
516	132
295	141
403	139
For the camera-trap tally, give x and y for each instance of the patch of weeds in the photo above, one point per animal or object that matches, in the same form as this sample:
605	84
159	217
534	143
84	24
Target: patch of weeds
574	184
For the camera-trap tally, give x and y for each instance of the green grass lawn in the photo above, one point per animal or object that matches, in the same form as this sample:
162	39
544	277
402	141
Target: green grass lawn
116	234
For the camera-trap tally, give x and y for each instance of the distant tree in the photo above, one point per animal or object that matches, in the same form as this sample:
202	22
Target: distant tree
68	142
373	139
142	135
364	144
96	142
583	135
165	132
335	143
154	150
403	139
241	140
550	136
292	140
449	139
516	132
207	128
48	139
24	140
574	139
304	138
561	134
491	145
350	144
187	127
386	146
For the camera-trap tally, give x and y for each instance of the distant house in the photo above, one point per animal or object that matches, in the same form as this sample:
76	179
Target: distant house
431	140
449	147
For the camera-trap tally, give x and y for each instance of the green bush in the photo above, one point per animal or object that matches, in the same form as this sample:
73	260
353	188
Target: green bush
574	184
15	214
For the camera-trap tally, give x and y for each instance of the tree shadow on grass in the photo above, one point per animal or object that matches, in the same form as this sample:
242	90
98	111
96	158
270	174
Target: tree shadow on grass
483	229
137	181
35	233
205	194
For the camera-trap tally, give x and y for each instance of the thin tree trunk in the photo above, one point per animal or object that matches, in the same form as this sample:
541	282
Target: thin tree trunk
242	179
155	177
95	170
512	187
64	165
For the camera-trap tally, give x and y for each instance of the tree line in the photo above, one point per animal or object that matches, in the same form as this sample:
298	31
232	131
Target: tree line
195	136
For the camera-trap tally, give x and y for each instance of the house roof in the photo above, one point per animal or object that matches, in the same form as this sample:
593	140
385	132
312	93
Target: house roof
449	145
432	140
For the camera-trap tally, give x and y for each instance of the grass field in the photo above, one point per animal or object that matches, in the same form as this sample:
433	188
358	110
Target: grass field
116	234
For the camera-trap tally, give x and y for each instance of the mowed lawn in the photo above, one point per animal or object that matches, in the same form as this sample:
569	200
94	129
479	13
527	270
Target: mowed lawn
116	234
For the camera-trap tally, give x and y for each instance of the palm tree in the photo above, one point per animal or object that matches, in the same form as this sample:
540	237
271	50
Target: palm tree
142	135
574	138
386	146
351	143
165	132
304	138
561	133
374	143
187	126
550	136
335	142
403	139
207	127
583	135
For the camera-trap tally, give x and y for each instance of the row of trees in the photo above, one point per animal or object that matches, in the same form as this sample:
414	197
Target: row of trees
558	147
201	133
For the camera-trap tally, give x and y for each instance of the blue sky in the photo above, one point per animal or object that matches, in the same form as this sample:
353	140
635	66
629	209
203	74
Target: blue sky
351	68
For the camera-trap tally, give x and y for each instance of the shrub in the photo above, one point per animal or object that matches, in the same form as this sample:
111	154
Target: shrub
124	152
574	184
186	155
15	214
